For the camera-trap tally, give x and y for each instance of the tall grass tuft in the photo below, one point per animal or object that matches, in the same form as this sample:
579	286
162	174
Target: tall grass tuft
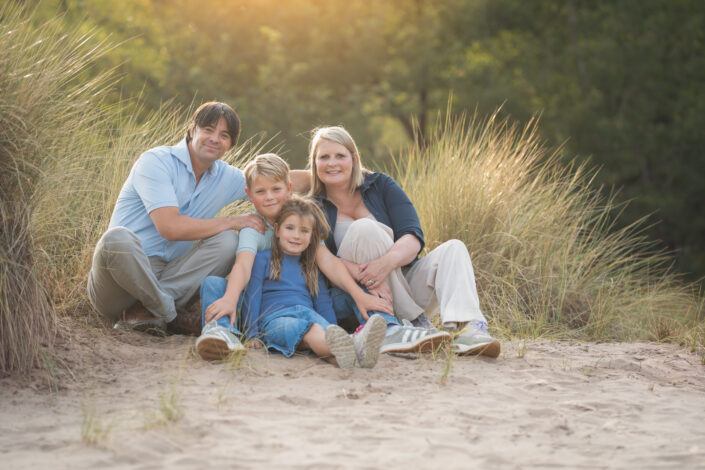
65	153
42	99
63	157
548	257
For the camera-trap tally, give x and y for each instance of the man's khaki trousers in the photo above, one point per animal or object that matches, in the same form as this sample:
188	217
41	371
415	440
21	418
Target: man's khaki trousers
122	273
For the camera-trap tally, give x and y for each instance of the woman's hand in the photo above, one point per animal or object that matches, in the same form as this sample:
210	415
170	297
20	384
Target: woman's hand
374	273
383	292
221	308
353	269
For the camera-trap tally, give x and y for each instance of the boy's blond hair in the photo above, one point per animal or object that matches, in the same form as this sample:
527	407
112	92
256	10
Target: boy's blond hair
269	165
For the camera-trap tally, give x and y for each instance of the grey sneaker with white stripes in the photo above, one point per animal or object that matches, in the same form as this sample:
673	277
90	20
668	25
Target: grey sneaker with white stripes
411	339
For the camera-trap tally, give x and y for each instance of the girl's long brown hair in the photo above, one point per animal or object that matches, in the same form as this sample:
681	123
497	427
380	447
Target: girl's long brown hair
304	208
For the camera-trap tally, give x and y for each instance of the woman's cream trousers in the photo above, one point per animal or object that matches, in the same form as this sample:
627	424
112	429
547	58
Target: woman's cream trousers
444	278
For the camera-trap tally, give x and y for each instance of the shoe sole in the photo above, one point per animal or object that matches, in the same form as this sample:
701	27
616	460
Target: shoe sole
491	349
427	344
368	355
214	349
341	346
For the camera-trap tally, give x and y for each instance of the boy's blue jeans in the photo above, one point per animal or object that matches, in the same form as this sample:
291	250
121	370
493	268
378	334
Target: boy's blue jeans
212	289
344	307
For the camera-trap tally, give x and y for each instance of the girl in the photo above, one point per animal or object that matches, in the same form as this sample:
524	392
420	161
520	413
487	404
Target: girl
287	303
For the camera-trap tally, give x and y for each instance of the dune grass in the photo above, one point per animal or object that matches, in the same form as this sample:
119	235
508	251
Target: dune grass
548	257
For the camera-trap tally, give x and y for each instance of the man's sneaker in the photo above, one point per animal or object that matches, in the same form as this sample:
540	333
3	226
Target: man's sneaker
411	339
474	339
217	342
341	346
369	340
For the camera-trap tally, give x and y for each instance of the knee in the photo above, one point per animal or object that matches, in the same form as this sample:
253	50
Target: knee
117	237
225	242
213	282
224	246
366	229
213	286
455	245
117	242
454	248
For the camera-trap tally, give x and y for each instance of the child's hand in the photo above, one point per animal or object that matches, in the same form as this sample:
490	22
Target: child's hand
221	308
368	303
254	344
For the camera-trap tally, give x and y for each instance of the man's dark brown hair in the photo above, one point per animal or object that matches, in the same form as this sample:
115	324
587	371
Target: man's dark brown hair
208	114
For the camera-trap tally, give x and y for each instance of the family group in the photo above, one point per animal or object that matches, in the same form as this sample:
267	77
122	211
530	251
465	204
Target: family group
336	272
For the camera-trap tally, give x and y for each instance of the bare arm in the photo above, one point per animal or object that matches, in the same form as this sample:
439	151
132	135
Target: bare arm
237	280
334	269
176	227
301	180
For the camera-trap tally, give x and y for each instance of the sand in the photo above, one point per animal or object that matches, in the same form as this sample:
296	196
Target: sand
136	402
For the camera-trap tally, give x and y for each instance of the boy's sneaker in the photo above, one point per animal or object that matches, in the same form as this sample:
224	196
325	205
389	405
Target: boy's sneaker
341	346
216	342
369	340
411	339
474	339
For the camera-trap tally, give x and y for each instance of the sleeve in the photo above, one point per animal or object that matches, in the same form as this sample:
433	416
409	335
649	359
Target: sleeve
252	301
152	181
401	211
236	182
250	240
322	303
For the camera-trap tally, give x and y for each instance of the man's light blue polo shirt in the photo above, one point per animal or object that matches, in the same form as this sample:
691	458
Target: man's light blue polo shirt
163	177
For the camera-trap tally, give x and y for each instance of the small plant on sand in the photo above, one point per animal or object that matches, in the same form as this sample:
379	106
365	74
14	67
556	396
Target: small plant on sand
94	430
450	356
169	407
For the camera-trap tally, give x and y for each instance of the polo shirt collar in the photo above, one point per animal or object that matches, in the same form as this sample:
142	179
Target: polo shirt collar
180	151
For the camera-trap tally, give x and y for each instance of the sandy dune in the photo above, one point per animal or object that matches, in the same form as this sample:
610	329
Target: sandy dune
540	404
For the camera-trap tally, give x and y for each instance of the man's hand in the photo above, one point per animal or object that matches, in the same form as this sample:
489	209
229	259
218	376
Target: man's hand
221	308
247	220
374	273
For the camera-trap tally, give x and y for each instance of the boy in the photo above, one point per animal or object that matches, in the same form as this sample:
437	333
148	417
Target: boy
268	187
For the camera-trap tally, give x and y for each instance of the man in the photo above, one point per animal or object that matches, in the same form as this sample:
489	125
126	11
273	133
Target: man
164	238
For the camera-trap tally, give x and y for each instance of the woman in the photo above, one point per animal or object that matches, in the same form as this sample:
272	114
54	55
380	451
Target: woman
376	231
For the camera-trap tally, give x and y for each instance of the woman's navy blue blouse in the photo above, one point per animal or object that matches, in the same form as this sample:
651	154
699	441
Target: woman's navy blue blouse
389	204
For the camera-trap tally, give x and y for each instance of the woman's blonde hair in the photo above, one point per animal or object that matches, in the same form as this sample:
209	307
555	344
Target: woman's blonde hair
339	135
305	208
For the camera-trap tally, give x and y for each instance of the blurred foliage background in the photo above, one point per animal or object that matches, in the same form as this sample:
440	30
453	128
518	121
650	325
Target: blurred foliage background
619	83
